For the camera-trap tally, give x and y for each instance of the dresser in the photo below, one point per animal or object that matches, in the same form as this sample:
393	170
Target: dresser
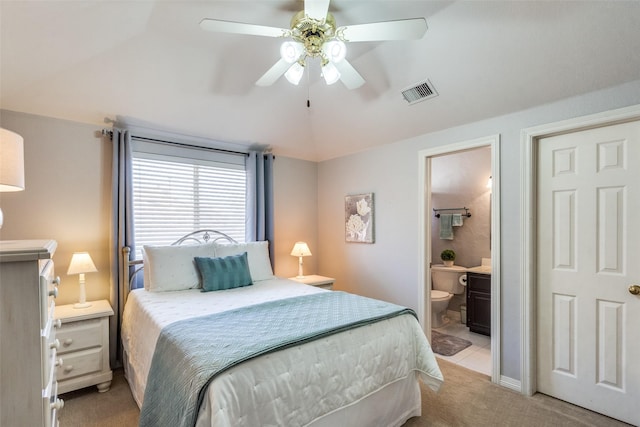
28	352
84	346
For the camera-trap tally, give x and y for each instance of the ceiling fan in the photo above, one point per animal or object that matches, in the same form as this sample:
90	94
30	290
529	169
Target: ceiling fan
313	34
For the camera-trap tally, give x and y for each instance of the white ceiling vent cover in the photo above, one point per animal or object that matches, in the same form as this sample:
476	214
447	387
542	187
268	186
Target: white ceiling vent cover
419	92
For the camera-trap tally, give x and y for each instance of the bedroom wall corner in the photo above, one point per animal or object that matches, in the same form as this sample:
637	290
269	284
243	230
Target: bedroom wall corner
66	196
296	214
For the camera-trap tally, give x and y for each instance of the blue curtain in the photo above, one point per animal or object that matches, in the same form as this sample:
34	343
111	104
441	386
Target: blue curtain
259	219
121	232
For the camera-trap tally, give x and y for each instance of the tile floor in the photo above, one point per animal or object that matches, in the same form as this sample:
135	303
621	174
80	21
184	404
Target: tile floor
477	356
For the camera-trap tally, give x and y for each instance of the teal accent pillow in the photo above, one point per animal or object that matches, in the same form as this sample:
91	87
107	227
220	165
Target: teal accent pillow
224	272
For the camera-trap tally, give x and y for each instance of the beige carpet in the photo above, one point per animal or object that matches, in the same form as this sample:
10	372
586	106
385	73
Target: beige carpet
467	398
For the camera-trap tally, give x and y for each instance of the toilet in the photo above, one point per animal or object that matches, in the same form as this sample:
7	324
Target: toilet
445	281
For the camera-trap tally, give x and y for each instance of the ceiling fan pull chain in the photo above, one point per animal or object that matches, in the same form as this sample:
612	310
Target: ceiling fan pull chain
308	92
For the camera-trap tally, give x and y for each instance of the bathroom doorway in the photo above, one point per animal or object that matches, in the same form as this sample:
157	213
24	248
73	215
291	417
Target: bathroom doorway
461	181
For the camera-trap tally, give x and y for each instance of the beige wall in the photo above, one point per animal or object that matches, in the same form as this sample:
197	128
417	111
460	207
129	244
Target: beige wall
296	214
68	198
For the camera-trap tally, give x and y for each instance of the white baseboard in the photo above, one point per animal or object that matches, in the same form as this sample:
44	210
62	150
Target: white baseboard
510	383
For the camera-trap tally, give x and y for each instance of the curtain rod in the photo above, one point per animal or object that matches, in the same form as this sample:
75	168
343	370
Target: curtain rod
109	132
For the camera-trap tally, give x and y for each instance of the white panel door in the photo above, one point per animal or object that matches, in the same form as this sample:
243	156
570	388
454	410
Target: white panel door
588	252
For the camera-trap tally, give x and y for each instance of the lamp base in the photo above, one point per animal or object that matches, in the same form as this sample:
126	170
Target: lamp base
82	305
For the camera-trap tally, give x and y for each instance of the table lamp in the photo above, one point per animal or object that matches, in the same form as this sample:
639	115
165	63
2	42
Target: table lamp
300	249
11	163
81	263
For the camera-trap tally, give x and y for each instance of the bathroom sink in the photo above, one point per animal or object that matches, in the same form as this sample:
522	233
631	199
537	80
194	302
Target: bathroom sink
485	268
482	269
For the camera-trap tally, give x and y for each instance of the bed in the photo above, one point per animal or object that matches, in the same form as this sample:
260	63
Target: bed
276	352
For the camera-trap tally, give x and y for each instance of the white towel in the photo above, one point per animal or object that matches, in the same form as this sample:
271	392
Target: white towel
456	220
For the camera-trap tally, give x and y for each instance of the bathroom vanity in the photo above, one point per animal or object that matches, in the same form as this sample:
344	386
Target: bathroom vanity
479	302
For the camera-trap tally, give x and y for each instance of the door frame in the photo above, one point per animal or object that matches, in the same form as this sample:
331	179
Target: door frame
424	232
528	226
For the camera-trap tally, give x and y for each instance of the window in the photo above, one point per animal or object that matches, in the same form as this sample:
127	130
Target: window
178	189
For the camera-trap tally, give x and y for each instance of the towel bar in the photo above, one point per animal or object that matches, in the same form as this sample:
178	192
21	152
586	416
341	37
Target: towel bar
466	211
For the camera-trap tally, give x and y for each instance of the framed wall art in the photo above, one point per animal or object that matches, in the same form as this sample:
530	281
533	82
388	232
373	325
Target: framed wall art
358	218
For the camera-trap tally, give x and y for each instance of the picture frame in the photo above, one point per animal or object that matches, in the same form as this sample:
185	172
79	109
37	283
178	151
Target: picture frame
359	218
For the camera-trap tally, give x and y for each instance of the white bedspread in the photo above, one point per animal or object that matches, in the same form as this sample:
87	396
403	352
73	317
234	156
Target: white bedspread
281	379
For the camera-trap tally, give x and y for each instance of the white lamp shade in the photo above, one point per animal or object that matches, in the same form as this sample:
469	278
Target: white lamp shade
300	249
81	262
11	161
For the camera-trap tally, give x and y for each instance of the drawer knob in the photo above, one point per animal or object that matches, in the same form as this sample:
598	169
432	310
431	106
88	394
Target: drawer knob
58	404
56	280
68	369
54	292
67	342
58	362
57	323
55	344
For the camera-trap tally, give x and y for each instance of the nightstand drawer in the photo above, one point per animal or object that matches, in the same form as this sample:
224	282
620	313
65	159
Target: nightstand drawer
79	335
80	363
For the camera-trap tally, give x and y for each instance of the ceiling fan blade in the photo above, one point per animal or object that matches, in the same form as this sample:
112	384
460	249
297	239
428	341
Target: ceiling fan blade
349	76
273	73
241	28
316	9
404	29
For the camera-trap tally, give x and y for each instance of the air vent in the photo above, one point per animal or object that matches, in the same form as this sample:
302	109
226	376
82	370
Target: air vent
419	92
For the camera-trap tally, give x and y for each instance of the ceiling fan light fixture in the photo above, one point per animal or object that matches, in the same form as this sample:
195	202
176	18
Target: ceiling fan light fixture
294	73
335	50
330	73
313	34
290	51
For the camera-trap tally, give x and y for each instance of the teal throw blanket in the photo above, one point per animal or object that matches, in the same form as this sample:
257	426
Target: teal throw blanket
191	352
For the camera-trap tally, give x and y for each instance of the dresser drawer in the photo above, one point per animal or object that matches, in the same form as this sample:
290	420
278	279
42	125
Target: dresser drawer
48	292
79	335
80	363
51	407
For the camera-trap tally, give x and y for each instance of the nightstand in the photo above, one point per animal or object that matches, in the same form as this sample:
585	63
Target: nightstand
315	280
84	346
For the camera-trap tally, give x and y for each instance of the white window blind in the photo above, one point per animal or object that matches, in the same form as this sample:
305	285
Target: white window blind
177	190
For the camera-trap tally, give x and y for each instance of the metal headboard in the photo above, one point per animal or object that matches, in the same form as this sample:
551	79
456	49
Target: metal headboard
197	237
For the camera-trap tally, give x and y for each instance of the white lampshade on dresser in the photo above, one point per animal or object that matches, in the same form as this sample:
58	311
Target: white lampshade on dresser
81	263
11	163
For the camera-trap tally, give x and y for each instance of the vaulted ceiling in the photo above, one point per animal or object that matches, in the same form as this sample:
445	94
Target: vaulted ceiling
88	61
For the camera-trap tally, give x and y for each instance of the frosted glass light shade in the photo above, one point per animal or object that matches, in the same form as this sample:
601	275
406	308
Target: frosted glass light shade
294	73
81	262
335	50
11	161
330	73
290	51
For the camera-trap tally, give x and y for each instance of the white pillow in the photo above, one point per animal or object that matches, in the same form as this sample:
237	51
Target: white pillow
257	254
172	268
